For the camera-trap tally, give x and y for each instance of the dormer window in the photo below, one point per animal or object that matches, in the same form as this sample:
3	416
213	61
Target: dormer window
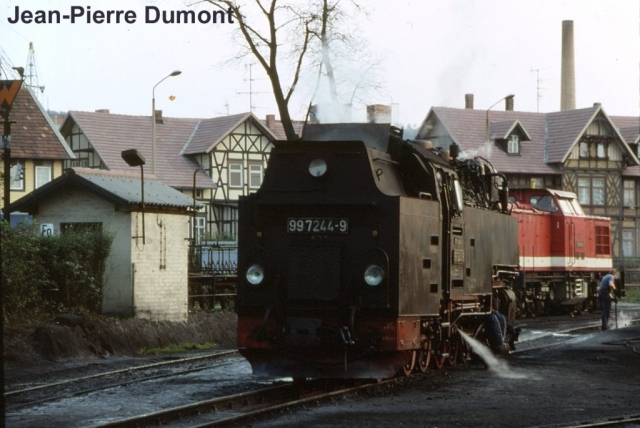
513	146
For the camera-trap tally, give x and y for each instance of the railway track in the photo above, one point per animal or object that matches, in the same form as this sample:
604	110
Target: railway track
178	402
237	408
24	397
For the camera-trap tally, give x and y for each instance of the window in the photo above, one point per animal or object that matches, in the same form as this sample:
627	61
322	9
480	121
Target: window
603	241
200	228
598	191
601	151
584	191
629	193
43	175
17	176
628	243
584	150
235	175
546	203
591	191
80	227
537	183
255	176
513	146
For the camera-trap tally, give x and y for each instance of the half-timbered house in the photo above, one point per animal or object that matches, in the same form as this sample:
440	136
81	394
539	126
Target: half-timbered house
584	151
38	151
212	160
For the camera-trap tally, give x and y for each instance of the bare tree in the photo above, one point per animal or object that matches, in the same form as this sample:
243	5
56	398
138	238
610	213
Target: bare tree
263	42
278	34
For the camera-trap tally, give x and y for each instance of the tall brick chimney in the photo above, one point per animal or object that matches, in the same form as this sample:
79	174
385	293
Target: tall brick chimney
468	101
568	82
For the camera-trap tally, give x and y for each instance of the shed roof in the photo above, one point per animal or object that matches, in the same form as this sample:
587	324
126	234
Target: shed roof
121	189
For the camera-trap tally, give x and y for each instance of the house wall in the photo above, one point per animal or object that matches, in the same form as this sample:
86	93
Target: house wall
30	175
160	266
88	208
149	280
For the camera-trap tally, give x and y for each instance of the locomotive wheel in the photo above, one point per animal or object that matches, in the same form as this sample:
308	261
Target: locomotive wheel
407	369
424	359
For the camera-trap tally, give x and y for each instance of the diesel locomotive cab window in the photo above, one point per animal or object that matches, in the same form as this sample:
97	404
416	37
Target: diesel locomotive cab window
546	203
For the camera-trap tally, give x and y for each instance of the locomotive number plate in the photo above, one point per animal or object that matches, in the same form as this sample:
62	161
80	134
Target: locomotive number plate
318	225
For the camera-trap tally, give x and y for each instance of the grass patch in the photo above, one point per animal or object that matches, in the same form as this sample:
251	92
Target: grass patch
632	295
178	347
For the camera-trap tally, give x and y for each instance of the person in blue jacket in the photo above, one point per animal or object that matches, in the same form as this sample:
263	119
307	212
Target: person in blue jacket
607	287
500	332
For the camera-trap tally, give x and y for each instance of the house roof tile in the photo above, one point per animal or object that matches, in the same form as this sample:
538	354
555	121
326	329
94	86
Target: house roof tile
33	135
209	132
110	134
467	129
552	135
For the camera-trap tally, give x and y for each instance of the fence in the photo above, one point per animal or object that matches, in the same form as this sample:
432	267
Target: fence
213	273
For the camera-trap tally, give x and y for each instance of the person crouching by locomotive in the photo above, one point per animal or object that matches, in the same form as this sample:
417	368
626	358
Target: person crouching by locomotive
500	332
607	287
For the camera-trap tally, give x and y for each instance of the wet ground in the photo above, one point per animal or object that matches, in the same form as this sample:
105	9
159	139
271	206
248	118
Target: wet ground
591	376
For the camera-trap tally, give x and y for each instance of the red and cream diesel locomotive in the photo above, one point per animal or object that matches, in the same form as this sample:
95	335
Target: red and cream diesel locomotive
563	252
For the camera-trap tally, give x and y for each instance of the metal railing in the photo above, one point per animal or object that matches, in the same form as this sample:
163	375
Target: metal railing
213	269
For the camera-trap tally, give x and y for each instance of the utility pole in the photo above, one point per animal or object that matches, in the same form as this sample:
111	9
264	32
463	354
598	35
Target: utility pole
8	91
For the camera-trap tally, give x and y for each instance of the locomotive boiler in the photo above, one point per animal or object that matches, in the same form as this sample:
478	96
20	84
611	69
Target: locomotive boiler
363	255
563	252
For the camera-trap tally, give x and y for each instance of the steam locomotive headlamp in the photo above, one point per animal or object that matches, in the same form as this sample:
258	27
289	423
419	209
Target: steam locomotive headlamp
255	274
373	275
317	167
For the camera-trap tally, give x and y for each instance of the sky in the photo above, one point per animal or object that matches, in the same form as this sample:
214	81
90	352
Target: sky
428	53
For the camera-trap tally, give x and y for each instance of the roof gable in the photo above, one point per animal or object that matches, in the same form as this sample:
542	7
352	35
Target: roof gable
33	135
210	132
502	130
566	128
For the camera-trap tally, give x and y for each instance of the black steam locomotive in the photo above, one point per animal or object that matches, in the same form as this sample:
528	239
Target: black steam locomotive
363	255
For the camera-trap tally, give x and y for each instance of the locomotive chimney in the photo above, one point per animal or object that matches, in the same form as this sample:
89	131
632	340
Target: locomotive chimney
378	113
568	82
454	151
468	101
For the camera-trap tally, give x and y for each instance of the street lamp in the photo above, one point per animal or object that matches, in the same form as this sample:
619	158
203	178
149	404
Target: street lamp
153	121
134	158
486	124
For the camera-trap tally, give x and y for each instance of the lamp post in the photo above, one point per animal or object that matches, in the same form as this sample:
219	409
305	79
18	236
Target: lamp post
134	158
486	124
153	121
